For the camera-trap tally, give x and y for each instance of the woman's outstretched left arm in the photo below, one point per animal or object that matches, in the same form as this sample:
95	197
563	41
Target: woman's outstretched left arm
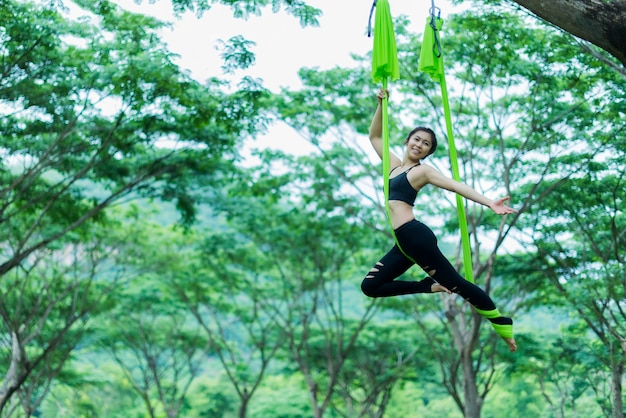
435	178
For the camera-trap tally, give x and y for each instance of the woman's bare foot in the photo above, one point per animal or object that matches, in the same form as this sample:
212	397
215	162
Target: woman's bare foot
511	343
436	287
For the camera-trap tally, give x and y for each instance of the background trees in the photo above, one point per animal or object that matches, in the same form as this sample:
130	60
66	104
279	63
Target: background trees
231	288
93	112
526	141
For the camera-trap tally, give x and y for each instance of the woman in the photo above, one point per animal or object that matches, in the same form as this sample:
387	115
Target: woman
417	243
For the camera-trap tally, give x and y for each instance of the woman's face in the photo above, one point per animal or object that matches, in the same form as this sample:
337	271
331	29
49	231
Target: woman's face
419	144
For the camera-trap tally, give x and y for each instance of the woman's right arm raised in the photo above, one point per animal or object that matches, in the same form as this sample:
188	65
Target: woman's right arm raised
376	130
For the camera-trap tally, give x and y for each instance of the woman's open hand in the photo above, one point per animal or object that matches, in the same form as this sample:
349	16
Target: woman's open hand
500	208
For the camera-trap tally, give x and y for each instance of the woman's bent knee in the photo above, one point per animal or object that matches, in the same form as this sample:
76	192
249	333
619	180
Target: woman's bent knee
369	287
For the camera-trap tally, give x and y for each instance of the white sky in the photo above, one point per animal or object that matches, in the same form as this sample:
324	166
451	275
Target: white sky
282	45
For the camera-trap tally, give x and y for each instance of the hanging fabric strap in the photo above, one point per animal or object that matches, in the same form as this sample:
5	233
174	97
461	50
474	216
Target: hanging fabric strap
431	62
384	67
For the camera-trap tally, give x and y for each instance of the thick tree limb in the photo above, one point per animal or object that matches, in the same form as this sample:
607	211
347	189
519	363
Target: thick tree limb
601	22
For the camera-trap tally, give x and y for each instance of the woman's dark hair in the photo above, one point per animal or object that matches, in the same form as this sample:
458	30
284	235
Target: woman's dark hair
433	146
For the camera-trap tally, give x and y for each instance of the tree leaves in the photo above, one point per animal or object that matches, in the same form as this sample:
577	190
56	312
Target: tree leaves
307	15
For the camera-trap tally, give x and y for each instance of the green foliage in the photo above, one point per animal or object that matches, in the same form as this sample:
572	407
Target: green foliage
420	399
307	15
211	398
93	111
387	354
258	310
517	398
97	105
533	114
91	394
47	307
236	54
567	374
283	396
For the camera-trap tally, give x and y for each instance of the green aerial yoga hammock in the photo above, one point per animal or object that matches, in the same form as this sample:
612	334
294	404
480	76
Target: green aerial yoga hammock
384	67
431	62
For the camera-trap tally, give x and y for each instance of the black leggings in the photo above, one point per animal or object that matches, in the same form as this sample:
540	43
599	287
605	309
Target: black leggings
420	244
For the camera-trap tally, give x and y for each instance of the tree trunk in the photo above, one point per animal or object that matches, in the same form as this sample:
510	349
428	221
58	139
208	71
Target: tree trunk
11	379
243	408
472	403
617	372
601	22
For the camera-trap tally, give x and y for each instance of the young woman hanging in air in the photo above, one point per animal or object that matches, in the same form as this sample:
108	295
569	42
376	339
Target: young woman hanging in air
417	243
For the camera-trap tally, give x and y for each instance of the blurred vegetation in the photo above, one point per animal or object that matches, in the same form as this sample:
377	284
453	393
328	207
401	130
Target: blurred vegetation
148	269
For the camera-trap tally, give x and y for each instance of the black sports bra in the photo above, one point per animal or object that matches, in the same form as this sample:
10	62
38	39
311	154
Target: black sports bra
401	189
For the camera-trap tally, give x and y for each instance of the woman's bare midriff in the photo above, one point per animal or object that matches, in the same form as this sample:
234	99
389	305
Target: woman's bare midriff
400	213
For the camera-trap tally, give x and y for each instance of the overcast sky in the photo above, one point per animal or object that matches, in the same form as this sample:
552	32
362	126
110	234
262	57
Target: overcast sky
282	45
